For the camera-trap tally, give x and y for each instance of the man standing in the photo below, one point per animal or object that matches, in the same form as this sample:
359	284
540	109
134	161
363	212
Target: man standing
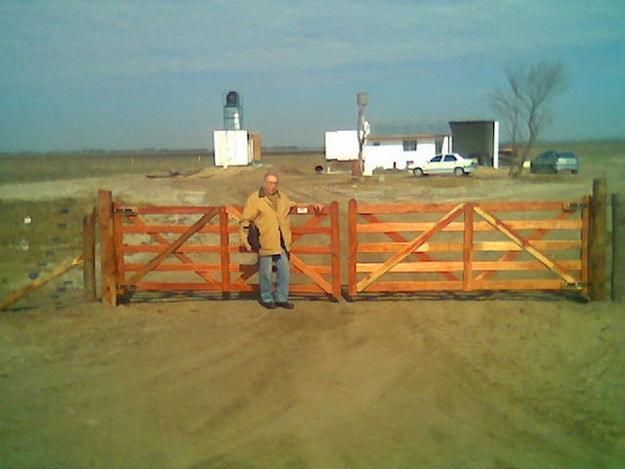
268	209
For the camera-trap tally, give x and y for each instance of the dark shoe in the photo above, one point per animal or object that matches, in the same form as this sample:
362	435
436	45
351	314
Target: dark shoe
271	305
286	305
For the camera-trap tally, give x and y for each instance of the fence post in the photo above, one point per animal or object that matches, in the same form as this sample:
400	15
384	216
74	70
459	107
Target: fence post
598	239
467	275
107	247
335	242
224	238
584	252
88	256
352	246
118	249
618	250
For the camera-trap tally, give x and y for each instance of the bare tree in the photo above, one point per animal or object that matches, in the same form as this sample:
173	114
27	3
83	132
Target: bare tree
524	106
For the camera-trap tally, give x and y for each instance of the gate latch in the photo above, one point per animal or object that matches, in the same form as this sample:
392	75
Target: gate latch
126	211
573	206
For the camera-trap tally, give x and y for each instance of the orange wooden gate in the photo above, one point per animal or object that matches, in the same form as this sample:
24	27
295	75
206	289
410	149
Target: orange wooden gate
468	246
197	249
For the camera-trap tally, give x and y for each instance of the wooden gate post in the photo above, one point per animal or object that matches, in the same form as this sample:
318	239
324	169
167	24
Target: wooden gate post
107	247
335	242
88	256
598	239
352	247
467	257
584	252
118	250
224	246
618	250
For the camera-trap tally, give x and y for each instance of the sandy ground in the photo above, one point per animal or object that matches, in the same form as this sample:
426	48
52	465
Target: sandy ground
407	383
213	186
506	381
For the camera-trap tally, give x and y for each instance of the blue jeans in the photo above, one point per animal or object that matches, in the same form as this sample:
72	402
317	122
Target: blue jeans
265	267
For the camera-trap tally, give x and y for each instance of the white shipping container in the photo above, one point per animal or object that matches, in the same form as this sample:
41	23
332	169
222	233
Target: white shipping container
231	148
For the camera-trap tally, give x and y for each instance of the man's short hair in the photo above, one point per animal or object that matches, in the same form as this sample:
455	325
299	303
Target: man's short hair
270	173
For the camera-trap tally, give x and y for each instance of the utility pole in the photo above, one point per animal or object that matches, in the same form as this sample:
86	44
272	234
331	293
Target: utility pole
362	99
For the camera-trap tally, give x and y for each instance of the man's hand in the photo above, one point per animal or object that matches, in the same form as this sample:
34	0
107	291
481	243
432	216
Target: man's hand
247	246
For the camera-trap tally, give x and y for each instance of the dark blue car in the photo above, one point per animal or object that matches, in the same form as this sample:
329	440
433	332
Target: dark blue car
555	162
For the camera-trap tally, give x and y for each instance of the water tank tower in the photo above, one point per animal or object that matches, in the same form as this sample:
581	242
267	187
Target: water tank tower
233	112
235	146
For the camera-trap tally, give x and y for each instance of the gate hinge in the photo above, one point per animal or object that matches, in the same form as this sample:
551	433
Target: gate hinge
127	211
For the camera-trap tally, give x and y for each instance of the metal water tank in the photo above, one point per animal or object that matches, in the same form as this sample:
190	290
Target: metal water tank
233	111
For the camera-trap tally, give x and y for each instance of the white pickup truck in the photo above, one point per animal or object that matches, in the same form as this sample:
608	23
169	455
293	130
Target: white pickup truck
450	163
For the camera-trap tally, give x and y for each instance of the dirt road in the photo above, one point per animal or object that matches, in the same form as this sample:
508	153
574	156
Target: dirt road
403	383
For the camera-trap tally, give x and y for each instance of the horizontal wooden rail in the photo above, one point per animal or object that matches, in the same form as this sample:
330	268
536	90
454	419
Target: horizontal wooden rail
403	208
198	210
409	286
197	248
519	285
441	285
211	229
444	207
535	206
178	286
197	286
459	226
457	266
162	210
206	248
198	267
298	288
554	245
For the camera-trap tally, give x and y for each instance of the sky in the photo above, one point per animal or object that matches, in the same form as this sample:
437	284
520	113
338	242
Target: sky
118	75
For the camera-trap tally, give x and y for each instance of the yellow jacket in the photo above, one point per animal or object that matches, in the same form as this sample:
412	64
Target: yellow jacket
270	219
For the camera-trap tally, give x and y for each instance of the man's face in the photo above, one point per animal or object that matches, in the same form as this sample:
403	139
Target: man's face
271	184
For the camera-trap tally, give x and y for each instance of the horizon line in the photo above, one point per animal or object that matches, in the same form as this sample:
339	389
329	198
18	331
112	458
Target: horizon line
276	148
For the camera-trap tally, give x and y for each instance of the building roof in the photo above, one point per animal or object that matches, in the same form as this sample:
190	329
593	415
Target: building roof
473	121
407	129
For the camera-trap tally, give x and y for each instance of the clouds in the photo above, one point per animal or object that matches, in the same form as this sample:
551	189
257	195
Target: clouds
436	56
142	38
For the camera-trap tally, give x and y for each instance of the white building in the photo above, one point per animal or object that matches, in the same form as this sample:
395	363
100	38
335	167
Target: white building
397	145
394	146
232	148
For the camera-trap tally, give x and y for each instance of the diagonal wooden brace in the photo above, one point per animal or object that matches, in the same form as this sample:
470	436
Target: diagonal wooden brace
197	226
524	244
398	238
512	255
414	244
314	276
137	220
